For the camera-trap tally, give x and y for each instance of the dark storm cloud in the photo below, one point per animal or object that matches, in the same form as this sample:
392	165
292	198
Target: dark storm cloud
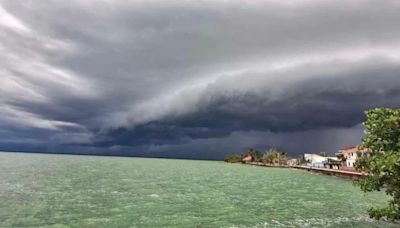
318	103
188	79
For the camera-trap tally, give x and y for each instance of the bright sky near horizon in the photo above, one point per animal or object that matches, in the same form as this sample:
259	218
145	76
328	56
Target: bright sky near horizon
194	79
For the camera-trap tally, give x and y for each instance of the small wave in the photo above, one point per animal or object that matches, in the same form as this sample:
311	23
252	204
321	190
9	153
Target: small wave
316	222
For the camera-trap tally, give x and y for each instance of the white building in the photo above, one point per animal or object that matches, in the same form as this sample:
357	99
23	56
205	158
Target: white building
350	155
317	161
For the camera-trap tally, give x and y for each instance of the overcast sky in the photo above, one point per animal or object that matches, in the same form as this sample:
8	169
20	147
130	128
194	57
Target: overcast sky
194	79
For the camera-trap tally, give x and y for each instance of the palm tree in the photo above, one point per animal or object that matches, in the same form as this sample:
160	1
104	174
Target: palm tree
274	157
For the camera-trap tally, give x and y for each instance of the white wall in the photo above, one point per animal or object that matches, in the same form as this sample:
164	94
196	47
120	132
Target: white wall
350	159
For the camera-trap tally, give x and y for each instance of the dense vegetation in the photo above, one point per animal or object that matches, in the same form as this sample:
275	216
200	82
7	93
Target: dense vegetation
233	158
270	157
301	160
382	140
274	157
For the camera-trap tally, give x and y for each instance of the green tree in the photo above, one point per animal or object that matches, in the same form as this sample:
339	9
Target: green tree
323	154
270	157
301	160
382	140
274	157
255	154
283	158
233	158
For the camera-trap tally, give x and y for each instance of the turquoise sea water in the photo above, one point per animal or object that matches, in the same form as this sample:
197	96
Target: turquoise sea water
38	190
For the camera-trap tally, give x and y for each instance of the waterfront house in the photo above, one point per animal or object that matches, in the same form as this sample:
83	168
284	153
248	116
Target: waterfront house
349	155
247	158
333	164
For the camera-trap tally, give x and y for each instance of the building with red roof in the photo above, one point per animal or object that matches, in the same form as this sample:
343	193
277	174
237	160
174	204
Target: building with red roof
247	158
350	154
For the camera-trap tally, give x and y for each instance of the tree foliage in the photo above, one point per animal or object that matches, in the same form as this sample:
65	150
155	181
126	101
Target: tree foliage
233	158
271	157
382	140
274	157
301	160
323	154
255	154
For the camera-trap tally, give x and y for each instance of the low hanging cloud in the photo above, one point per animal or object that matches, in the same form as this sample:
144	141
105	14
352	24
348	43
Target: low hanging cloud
193	79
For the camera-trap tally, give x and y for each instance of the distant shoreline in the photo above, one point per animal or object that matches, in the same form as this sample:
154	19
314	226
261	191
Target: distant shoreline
331	172
104	155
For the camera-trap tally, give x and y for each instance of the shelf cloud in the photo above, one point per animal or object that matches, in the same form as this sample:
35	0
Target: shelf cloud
194	79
